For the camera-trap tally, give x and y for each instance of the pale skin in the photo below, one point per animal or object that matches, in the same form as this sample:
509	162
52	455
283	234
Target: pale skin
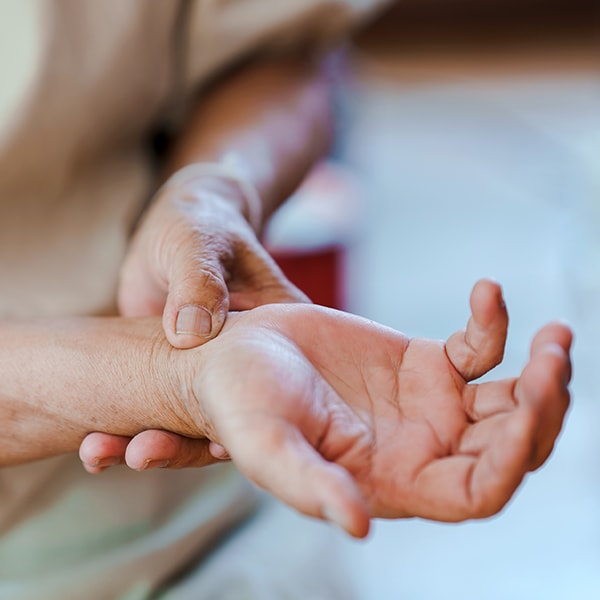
383	427
339	417
363	422
195	248
347	420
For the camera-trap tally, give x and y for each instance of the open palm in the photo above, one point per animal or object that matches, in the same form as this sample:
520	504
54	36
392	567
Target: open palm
345	419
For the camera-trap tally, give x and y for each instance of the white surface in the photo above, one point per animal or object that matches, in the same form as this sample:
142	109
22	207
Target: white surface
494	179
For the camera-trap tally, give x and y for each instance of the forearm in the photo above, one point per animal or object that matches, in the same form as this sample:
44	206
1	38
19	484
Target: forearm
275	117
62	379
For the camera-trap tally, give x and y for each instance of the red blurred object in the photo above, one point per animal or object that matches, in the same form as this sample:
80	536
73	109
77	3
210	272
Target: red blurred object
309	236
318	272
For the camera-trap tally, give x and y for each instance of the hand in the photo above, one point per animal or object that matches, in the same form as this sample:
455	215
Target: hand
195	256
346	420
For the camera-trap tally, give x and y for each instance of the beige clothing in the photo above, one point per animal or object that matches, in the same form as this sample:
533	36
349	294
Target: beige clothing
292	557
82	83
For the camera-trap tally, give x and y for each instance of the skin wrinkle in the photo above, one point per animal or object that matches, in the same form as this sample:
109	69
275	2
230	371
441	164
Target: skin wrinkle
320	436
245	266
324	433
497	475
205	272
464	442
420	469
513	389
358	439
469	395
444	449
461	389
163	255
352	444
468	486
492	465
371	446
397	362
394	402
466	358
161	351
330	374
468	421
469	345
459	378
470	507
475	389
210	245
206	244
427	390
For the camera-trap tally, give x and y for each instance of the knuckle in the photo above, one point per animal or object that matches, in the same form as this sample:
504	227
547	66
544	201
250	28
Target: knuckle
203	277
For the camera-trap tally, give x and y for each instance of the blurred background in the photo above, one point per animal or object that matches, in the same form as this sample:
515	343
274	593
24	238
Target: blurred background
473	129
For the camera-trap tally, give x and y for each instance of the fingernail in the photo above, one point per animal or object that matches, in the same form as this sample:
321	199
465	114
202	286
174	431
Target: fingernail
218	451
155	464
108	461
193	320
333	516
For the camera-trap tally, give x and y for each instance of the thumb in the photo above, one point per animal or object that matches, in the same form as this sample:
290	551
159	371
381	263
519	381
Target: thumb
281	461
197	303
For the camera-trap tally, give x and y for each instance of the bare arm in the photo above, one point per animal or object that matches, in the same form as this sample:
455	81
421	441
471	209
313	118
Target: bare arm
337	416
275	116
63	378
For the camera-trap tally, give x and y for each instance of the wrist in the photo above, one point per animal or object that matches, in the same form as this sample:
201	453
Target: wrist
64	378
171	379
131	377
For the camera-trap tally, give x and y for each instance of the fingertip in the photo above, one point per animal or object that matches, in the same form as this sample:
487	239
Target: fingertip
480	347
218	451
487	302
343	503
284	464
536	375
488	282
354	523
542	391
150	448
545	379
156	448
555	337
561	359
559	332
99	451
